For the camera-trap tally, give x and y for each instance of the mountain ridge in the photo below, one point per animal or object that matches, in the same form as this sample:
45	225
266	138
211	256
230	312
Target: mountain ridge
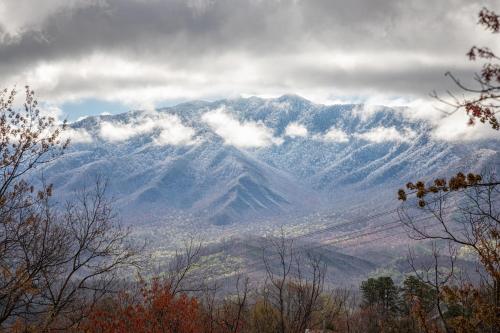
239	159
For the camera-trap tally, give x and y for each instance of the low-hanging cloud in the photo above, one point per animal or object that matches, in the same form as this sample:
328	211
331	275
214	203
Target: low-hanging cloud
387	134
295	130
173	132
116	132
457	128
335	135
171	129
246	134
76	135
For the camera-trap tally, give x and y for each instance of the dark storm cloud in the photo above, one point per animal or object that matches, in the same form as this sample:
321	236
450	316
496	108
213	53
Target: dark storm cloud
190	37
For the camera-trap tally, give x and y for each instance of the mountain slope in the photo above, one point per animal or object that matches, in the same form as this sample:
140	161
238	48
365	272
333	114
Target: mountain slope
242	159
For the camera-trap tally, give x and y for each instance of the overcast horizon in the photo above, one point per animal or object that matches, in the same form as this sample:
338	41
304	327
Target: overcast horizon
90	57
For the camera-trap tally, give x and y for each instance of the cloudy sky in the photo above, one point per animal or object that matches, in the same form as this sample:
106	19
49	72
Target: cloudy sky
93	56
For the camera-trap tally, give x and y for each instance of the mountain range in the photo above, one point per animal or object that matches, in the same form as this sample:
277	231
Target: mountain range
237	160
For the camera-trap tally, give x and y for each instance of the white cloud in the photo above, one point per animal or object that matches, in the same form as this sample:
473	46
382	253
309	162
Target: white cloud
335	135
456	128
386	134
170	127
249	134
295	129
116	132
453	127
426	109
76	135
52	111
173	132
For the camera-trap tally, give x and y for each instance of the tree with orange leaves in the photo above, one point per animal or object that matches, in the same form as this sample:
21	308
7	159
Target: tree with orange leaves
154	308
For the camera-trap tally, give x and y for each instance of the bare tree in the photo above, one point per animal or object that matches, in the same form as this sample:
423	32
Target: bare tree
278	281
294	285
181	265
435	275
31	245
95	250
307	287
338	307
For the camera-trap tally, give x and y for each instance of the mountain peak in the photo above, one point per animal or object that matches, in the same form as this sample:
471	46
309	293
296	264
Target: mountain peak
292	98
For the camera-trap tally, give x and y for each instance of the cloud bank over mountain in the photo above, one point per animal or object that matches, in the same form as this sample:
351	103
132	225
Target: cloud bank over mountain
247	134
145	52
170	127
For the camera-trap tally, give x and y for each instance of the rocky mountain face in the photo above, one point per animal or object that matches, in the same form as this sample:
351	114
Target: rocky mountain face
235	160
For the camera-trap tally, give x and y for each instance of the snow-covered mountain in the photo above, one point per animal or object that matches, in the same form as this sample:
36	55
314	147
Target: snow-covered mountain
235	160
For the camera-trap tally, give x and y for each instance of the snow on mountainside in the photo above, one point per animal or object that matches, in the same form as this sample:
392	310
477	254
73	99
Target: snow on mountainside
234	160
